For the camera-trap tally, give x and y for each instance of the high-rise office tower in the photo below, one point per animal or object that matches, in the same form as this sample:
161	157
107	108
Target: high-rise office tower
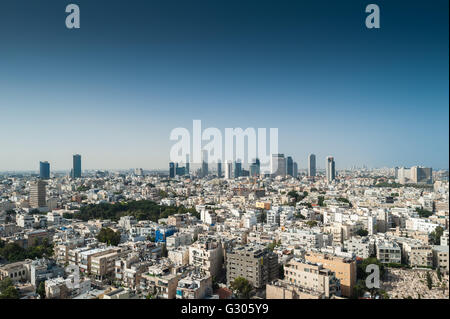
76	171
289	166
204	171
255	168
330	169
278	165
187	164
37	194
219	169
228	166
421	175
180	170
237	168
171	169
44	170
312	165
295	170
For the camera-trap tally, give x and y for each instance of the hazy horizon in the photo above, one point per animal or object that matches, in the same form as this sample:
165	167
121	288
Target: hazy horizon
114	89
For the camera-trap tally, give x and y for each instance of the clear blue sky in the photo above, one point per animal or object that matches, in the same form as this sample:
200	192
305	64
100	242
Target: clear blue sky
114	89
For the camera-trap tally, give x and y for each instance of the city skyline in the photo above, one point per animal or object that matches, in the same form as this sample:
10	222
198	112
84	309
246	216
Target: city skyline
199	166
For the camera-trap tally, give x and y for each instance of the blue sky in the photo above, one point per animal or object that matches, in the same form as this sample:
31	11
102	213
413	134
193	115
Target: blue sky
114	89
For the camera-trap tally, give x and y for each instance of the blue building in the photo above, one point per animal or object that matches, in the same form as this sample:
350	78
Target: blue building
44	170
171	169
162	233
237	169
76	171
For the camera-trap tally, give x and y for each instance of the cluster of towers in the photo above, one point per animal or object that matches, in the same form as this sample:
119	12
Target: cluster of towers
44	168
279	166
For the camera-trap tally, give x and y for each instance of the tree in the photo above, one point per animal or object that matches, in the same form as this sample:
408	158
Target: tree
12	252
436	234
359	288
311	223
272	245
241	287
423	213
321	200
8	290
429	281
10	293
438	274
41	290
362	232
109	236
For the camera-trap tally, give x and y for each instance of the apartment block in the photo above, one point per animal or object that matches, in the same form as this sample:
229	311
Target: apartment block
254	262
344	269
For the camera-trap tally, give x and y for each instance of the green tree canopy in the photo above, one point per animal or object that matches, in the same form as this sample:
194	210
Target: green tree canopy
8	290
109	236
241	287
362	232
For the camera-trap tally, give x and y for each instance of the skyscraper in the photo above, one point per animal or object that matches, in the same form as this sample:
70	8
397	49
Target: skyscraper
330	168
44	170
228	166
219	168
295	170
237	168
422	175
180	170
171	169
289	166
37	194
278	165
312	165
76	171
255	168
204	171
187	164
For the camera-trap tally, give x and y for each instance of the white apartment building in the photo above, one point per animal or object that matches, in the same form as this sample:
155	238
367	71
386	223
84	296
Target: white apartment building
388	252
207	254
360	246
421	224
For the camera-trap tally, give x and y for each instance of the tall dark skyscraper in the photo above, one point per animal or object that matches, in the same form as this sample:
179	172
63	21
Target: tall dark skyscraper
237	169
44	170
312	165
219	169
204	171
76	171
255	168
171	169
289	166
187	165
330	169
295	170
180	171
